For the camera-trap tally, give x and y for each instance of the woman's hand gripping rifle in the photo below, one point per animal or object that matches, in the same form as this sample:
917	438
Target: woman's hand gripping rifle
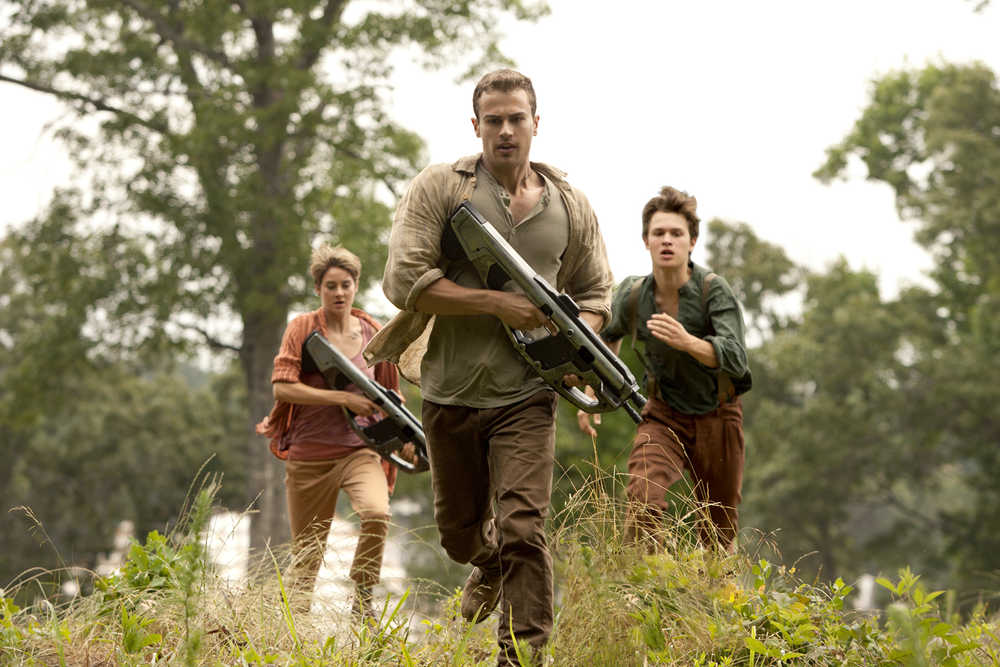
388	436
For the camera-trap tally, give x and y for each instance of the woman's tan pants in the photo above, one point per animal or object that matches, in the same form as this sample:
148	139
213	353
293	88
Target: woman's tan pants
311	488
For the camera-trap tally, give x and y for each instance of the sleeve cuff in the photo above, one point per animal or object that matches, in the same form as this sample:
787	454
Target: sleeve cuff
284	376
597	307
420	285
718	356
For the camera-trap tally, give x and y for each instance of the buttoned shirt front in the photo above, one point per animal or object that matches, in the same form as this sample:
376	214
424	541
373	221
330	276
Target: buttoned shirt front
415	258
682	381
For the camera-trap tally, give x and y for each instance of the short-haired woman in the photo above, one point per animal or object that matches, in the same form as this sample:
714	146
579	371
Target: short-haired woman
322	453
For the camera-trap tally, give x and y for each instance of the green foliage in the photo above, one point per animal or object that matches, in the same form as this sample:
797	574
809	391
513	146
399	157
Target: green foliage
760	273
92	436
931	135
684	606
135	639
128	443
222	140
164	573
829	426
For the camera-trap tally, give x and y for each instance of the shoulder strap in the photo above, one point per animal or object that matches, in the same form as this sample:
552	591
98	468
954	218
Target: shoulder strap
706	284
725	383
632	308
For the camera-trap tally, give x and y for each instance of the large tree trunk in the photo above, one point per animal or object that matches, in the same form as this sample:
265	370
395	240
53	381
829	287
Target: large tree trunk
269	525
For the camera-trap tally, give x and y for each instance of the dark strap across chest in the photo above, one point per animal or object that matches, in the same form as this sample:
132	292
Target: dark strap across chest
725	383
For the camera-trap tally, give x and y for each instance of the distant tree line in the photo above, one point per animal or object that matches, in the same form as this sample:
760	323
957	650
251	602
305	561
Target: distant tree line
223	151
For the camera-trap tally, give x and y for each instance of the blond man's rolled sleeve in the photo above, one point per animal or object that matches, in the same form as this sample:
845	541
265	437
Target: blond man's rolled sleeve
592	284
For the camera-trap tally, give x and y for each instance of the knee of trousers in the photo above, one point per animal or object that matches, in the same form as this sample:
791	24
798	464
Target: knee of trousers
373	506
382	517
522	531
466	545
375	523
647	492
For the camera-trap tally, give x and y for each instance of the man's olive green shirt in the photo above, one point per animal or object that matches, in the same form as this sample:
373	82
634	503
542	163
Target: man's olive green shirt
685	383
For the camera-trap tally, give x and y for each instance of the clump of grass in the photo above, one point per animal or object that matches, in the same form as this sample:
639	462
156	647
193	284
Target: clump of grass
687	605
621	605
617	605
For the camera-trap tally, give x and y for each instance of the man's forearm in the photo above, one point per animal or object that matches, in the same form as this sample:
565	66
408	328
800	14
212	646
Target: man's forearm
445	297
704	352
594	320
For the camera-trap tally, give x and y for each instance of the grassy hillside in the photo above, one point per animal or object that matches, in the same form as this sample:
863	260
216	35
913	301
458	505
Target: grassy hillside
616	606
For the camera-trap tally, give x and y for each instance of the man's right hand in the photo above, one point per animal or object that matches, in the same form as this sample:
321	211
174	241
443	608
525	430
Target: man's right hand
583	418
517	312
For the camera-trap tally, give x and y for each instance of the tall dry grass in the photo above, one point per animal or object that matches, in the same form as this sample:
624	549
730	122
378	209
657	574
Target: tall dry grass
618	605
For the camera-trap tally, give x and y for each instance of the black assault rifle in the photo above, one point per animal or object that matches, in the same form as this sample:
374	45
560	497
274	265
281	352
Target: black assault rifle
574	348
386	436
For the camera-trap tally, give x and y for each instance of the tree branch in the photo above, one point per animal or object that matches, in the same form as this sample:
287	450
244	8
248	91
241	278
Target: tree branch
97	103
311	48
352	154
168	32
211	340
912	513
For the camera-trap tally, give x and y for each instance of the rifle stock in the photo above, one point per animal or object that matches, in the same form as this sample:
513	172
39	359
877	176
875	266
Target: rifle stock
574	348
386	436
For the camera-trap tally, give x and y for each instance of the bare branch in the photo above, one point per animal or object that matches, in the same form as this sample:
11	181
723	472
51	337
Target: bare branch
211	340
356	156
97	103
169	33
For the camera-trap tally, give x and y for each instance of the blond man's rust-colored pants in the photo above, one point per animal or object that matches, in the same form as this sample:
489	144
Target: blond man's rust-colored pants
311	488
502	458
710	447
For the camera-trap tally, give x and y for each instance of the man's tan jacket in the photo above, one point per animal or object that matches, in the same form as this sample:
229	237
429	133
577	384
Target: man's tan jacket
415	258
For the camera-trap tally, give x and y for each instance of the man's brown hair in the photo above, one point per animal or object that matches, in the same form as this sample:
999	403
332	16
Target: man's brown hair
326	257
504	80
672	200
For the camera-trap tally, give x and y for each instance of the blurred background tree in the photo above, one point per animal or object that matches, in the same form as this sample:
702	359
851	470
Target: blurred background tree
933	135
218	141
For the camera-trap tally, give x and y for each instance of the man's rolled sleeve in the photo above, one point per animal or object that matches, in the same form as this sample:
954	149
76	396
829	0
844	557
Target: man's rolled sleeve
591	284
729	340
415	240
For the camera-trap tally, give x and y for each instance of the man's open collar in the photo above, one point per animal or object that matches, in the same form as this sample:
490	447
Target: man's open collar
467	165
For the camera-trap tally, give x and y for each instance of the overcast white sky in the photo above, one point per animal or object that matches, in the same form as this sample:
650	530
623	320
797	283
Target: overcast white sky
733	101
